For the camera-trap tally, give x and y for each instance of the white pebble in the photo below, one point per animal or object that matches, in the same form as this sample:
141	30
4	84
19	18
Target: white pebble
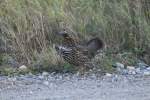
46	83
45	73
138	70
146	73
31	92
23	67
130	67
108	75
41	77
120	65
148	68
133	72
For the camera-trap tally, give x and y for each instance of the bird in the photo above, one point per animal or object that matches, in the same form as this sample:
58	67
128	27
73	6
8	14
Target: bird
76	54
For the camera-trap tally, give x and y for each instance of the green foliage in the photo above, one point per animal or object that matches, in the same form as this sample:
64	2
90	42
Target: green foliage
29	26
68	68
107	60
7	71
106	63
10	71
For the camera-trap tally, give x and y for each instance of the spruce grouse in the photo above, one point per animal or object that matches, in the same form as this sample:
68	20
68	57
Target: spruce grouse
75	53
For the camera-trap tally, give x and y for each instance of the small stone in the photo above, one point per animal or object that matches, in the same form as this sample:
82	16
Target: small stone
146	73
14	79
124	71
130	72
120	65
148	68
133	72
142	65
138	70
60	77
31	92
108	74
115	78
41	77
130	67
45	73
46	83
23	68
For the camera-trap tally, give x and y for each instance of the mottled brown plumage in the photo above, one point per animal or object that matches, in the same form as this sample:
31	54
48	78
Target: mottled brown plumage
67	39
76	54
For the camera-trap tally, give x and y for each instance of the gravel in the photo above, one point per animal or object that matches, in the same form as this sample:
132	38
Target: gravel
47	86
139	69
129	83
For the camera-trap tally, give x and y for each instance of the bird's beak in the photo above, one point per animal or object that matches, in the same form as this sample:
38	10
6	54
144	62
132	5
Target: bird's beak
62	32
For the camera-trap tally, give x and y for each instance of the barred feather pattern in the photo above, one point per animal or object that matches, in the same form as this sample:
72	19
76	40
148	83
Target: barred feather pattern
76	54
73	55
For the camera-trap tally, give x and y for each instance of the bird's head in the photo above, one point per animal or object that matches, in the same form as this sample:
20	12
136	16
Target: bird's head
63	33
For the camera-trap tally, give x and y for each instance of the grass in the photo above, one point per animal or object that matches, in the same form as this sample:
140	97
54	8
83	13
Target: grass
28	27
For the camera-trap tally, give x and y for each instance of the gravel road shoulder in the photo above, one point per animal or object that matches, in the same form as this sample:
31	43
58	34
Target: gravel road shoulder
66	87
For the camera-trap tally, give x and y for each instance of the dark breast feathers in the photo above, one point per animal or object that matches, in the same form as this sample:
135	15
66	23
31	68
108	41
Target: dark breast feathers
76	54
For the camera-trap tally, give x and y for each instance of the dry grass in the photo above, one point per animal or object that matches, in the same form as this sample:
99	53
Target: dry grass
29	26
